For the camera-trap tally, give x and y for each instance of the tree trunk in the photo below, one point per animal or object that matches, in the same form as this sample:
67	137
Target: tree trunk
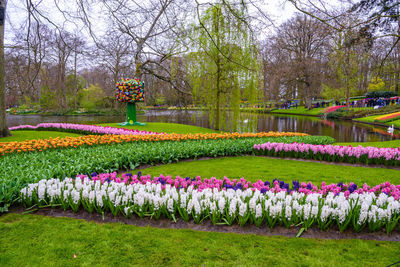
307	92
3	116
347	77
218	103
307	97
75	80
116	78
62	85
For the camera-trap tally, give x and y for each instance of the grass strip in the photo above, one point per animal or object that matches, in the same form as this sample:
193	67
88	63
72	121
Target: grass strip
165	128
23	135
29	240
254	168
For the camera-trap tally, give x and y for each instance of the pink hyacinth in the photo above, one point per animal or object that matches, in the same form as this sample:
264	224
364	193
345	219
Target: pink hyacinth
243	184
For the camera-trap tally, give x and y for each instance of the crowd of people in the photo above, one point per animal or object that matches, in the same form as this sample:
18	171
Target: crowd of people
374	102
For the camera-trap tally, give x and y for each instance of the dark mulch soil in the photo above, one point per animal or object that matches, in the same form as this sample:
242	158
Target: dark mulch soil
206	225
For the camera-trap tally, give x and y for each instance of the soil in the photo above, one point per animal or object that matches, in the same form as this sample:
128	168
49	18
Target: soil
314	232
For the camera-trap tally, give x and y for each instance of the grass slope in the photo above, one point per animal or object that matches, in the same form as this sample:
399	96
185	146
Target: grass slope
24	135
165	127
299	110
33	240
254	168
396	123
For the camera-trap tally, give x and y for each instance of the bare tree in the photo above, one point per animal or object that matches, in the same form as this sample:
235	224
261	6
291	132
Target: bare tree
304	40
115	56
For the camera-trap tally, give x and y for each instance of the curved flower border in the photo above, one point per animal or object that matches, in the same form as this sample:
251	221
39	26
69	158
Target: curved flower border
90	140
82	128
359	154
225	206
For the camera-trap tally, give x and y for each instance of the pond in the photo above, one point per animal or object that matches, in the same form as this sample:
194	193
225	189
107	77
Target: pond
342	131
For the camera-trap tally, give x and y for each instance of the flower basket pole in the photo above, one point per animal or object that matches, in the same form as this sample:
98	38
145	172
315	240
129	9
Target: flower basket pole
130	91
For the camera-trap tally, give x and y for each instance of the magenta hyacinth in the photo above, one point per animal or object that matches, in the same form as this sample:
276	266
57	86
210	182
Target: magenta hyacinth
225	183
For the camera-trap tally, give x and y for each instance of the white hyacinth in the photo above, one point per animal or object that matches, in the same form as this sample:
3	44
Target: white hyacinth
371	208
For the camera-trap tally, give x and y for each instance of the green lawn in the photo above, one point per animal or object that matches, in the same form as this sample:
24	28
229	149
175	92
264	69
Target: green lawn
34	240
152	126
165	127
24	135
396	123
368	118
253	168
299	110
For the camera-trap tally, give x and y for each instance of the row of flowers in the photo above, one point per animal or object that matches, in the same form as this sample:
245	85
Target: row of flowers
359	154
81	128
228	206
275	186
388	117
90	140
332	109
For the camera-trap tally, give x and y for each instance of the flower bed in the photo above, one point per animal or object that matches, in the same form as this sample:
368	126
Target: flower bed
388	117
80	128
19	169
157	198
91	140
275	186
332	109
359	154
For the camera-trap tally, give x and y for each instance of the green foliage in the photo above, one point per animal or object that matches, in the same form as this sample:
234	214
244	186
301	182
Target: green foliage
336	114
376	84
376	94
92	97
17	170
224	68
72	96
48	98
330	92
160	99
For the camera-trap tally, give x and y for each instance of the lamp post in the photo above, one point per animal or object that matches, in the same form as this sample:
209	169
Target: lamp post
130	91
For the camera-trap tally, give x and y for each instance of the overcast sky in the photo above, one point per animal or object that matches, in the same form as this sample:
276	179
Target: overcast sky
17	14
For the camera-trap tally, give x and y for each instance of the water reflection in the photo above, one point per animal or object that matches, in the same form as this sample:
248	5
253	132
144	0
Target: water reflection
342	131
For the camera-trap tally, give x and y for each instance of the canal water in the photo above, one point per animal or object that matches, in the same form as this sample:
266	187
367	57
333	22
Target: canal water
342	131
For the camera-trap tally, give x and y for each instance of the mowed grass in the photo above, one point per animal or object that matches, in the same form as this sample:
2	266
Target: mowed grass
29	135
153	127
35	240
395	123
299	110
253	168
165	127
